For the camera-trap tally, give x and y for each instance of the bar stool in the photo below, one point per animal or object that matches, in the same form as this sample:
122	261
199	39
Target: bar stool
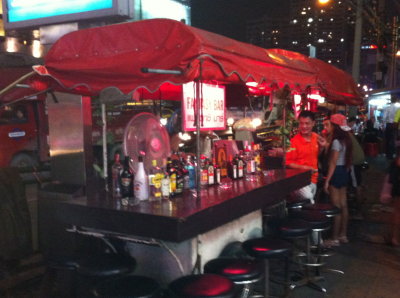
96	268
266	249
294	229
244	272
60	277
296	204
130	286
202	286
319	222
328	209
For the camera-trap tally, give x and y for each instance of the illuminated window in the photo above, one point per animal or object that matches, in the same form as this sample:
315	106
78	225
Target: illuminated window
321	40
310	20
303	12
342	40
329	61
294	21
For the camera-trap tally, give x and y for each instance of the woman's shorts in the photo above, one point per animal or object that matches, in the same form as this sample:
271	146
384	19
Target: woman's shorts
340	177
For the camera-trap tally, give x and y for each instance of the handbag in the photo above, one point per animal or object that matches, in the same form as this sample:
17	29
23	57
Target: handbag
386	192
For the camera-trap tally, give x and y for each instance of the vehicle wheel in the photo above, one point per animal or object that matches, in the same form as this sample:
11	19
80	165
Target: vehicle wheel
23	160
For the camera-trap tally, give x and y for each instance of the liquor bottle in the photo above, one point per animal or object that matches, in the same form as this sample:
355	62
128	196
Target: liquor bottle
232	168
179	177
126	180
165	186
224	165
172	177
257	157
203	171
217	172
251	166
116	170
240	166
191	171
155	177
210	172
140	182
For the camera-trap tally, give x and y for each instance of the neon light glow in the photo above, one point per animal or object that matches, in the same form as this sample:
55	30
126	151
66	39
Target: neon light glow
23	10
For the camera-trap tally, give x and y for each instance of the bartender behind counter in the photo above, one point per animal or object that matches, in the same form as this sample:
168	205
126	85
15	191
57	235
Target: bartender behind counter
303	153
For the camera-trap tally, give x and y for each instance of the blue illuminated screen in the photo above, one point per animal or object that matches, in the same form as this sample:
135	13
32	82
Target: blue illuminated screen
23	10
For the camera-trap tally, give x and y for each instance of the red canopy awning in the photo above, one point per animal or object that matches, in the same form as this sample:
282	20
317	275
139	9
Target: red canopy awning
337	84
93	59
88	61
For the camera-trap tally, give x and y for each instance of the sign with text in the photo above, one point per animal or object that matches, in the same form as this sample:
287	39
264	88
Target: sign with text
213	108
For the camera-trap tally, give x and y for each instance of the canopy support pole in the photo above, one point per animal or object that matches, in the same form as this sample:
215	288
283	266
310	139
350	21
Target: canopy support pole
197	124
104	143
13	84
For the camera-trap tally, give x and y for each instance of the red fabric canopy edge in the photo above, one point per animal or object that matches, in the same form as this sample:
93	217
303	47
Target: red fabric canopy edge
90	60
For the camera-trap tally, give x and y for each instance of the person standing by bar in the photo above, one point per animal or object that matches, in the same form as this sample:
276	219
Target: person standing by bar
303	153
339	165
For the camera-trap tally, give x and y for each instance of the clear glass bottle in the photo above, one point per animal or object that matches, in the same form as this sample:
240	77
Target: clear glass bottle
141	182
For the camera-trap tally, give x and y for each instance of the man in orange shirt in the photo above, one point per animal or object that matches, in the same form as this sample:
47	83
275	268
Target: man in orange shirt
303	153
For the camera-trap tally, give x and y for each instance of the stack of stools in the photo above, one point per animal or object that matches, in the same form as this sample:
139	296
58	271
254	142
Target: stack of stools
319	222
205	285
243	272
266	249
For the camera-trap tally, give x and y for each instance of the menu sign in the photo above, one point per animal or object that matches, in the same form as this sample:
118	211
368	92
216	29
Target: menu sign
212	111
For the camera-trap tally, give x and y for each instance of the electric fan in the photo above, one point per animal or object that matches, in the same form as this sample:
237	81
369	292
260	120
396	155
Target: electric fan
145	134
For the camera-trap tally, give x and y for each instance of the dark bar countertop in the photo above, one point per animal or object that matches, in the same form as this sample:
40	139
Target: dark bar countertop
179	218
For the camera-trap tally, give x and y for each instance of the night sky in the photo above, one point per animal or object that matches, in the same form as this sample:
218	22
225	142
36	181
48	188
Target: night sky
228	17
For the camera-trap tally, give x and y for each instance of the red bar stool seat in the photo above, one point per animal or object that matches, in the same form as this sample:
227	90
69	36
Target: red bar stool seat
202	286
130	286
265	249
244	272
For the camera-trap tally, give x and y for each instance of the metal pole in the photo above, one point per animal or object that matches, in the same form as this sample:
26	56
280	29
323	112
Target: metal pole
104	132
197	108
357	42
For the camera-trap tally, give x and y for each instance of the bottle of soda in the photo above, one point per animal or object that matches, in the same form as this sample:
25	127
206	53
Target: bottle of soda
126	180
116	170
